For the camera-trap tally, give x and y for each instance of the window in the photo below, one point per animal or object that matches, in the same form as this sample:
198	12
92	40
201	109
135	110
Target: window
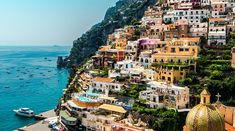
146	61
179	61
169	79
173	50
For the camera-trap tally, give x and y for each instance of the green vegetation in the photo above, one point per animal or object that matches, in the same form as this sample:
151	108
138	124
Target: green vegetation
159	119
101	72
171	65
126	12
133	90
214	71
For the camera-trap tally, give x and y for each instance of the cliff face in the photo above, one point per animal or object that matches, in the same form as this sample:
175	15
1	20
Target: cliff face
118	16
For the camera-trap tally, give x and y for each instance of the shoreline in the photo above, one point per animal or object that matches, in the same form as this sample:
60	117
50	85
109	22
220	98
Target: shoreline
39	125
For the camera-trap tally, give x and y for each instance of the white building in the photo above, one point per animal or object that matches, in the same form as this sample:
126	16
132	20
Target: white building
125	64
145	59
102	86
198	29
131	50
160	94
217	31
193	16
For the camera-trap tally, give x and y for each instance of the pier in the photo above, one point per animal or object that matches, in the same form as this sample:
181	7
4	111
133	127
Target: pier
41	125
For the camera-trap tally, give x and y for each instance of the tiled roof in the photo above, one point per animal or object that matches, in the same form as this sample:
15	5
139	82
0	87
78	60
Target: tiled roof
189	39
104	48
103	79
216	19
112	108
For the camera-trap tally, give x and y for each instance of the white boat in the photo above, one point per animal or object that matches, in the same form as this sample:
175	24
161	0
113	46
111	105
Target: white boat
24	112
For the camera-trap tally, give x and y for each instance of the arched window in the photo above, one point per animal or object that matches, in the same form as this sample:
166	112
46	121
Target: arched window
141	60
179	61
146	61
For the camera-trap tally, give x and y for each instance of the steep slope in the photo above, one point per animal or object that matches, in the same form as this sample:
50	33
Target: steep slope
118	16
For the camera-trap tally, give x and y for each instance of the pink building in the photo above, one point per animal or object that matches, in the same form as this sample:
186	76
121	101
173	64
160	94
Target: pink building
218	5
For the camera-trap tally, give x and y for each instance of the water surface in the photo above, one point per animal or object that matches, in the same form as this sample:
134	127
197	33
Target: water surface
29	78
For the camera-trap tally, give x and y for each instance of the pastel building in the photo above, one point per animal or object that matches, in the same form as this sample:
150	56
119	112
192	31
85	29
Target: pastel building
121	39
103	86
147	44
183	27
170	74
177	30
218	5
107	57
154	31
152	16
217	33
194	3
233	57
130	124
160	94
131	50
145	58
193	16
149	74
181	51
125	65
103	118
198	30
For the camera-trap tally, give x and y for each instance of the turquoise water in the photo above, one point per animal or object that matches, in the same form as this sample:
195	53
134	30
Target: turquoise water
84	99
29	78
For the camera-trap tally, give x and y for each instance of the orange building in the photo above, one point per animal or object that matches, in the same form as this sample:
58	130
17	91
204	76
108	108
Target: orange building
107	57
233	57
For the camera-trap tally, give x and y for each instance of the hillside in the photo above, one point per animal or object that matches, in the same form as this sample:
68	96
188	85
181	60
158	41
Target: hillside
124	13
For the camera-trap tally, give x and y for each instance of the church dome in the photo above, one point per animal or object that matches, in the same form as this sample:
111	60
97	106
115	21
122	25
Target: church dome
204	116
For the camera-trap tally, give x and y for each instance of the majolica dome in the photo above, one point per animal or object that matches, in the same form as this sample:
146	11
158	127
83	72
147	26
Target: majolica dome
204	116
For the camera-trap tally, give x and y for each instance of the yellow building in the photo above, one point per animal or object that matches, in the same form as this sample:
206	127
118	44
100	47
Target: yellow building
103	118
170	74
121	40
204	116
183	51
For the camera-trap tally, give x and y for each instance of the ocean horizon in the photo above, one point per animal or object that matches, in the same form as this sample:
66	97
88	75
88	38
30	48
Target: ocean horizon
29	78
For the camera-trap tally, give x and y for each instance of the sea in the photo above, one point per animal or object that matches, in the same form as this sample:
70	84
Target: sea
29	78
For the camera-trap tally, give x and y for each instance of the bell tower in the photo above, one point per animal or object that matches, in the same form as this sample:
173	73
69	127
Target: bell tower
205	97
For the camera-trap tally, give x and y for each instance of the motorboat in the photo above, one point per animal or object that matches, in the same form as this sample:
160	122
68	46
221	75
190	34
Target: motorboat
24	112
